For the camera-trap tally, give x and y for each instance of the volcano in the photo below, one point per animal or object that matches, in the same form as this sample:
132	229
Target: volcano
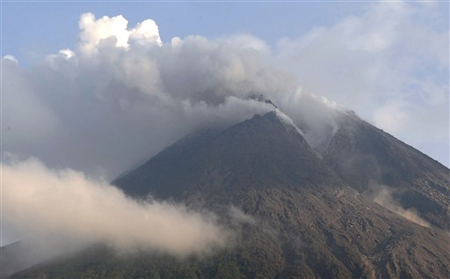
366	206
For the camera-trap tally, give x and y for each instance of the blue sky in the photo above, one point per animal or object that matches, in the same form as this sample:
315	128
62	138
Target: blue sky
388	61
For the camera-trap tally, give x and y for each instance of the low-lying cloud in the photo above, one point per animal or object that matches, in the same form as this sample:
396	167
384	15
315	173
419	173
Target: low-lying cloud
58	212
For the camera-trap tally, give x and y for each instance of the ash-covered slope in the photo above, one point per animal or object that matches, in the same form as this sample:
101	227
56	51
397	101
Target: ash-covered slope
303	217
368	158
258	153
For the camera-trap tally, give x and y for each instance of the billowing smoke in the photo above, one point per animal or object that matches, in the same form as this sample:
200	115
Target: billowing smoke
122	95
56	212
384	197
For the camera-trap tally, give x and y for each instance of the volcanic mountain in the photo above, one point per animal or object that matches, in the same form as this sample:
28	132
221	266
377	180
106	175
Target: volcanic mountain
365	206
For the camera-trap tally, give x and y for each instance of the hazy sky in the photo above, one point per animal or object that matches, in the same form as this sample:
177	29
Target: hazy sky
388	61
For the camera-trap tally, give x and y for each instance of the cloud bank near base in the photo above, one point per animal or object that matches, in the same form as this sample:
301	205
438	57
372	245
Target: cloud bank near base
58	212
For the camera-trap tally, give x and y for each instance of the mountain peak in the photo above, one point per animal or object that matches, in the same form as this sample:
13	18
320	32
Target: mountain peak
258	151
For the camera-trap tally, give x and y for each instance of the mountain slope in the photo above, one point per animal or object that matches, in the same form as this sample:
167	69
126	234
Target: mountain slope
305	216
366	157
257	153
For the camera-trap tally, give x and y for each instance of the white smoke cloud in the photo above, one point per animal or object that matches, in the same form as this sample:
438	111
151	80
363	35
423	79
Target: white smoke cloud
115	102
115	28
10	58
56	212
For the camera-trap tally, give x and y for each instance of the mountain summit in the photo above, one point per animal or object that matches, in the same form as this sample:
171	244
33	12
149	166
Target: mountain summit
346	213
260	153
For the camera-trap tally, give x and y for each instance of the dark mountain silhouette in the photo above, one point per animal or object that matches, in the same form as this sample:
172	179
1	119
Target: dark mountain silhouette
315	216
